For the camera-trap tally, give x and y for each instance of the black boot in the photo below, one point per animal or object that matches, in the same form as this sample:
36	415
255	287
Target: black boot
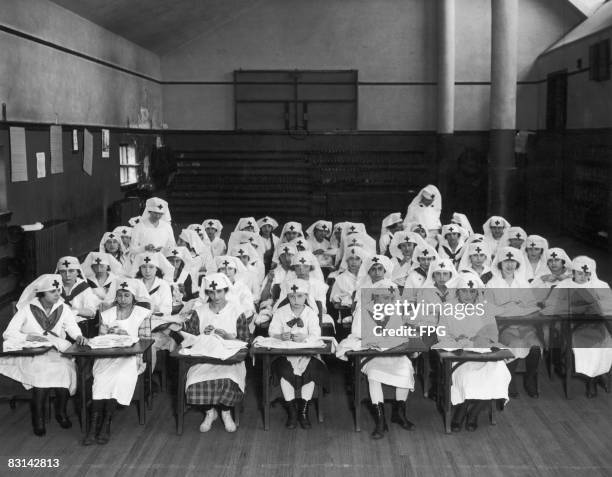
61	401
512	391
530	381
398	415
602	381
303	418
472	415
292	414
379	419
94	427
459	416
104	435
39	401
591	388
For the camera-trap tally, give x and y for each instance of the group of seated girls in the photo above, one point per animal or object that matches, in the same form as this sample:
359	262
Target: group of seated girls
143	279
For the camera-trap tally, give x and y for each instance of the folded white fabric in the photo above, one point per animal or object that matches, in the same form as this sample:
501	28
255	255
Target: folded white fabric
263	342
111	341
212	346
18	345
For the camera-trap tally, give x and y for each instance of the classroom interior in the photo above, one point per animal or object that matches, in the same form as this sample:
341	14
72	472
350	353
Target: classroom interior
305	110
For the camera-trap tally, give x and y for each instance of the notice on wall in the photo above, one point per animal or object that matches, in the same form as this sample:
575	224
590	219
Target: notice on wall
40	165
19	164
88	152
105	143
57	157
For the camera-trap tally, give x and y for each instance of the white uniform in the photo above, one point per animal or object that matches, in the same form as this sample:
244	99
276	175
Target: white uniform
343	288
115	378
145	233
50	370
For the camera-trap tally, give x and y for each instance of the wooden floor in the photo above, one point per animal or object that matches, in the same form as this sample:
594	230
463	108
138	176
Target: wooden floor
550	436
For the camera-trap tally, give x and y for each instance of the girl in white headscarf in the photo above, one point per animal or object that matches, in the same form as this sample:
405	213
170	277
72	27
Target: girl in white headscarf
153	232
291	231
535	257
345	285
43	318
558	266
422	258
267	225
516	237
318	235
392	371
425	209
451	242
511	293
112	244
391	224
402	249
239	292
495	233
591	342
114	379
253	274
462	221
102	272
202	257
184	278
474	384
212	236
477	259
125	234
76	292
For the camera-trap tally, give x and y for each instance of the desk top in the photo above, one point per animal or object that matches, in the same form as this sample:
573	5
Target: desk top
259	350
85	351
463	355
236	358
26	351
412	346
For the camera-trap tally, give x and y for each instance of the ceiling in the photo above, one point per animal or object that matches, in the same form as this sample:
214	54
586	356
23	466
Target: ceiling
159	25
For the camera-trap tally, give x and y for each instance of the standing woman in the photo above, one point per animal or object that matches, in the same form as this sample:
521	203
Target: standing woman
154	230
217	386
114	379
425	209
43	317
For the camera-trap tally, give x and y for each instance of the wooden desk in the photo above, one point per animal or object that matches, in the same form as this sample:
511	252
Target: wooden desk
361	357
26	351
266	354
185	361
451	360
85	354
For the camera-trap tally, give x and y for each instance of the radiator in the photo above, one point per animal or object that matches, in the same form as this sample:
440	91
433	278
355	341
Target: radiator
43	248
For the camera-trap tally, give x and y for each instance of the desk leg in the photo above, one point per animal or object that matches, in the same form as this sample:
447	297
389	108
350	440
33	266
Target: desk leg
81	367
447	391
426	371
357	391
180	397
266	391
569	365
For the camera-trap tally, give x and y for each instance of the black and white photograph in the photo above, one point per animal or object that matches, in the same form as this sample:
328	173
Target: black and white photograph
306	237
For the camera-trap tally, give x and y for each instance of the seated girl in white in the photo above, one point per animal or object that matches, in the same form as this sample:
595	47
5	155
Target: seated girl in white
318	235
212	236
422	258
391	224
516	237
535	257
239	292
112	244
267	225
76	292
451	242
477	259
401	249
184	278
102	272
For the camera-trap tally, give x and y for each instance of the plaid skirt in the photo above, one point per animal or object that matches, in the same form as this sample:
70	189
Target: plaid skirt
223	392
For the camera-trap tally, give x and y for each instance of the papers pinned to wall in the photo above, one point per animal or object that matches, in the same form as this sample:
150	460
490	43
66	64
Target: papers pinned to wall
105	143
19	164
87	152
57	152
41	170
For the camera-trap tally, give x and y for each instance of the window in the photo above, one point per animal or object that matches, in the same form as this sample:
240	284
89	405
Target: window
599	61
295	100
128	164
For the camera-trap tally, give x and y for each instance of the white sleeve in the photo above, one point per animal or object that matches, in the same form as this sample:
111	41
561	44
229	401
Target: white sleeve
13	330
70	324
276	325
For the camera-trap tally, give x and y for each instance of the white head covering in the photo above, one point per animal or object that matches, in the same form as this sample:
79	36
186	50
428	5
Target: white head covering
376	259
199	229
335	243
243	237
537	241
324	225
391	219
242	249
307	258
215	224
225	261
425	250
297	285
473	249
292	227
102	258
215	281
300	243
134	221
509	253
46	282
267	220
461	219
155	204
135	287
466	280
244	222
496	221
194	241
585	264
69	263
283	248
413	212
441	265
362	253
155	258
181	252
516	232
404	236
111	236
123	231
557	252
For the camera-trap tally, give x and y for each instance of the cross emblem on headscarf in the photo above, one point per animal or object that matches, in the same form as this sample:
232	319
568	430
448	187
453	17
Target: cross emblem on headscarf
251	239
211	223
585	268
294	288
175	252
450	229
225	263
391	290
65	263
470	284
112	236
241	252
137	221
532	244
478	249
147	260
124	232
265	219
509	256
554	255
124	285
352	227
518	235
497	222
324	227
425	253
442	265
302	260
98	260
292	228
160	207
213	285
55	284
375	259
198	229
300	243
286	250
354	241
249	224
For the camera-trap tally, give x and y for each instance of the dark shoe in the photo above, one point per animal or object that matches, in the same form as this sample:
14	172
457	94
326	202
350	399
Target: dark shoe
61	402
459	416
39	400
94	429
398	415
303	418
473	413
602	381
104	435
512	391
379	419
292	414
591	388
530	381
